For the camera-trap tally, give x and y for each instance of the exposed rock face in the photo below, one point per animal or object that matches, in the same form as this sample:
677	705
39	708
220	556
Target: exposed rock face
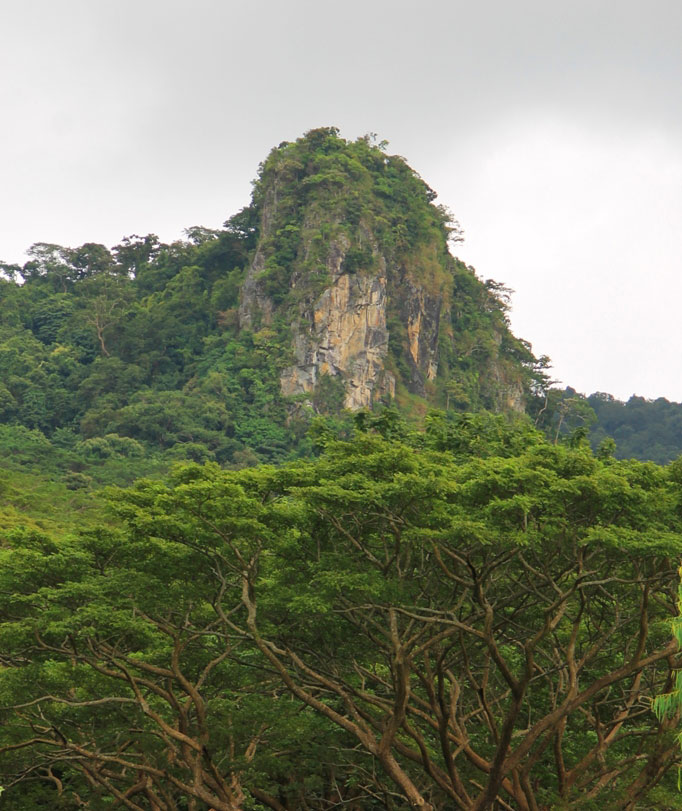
420	312
343	331
515	400
340	332
253	299
506	390
352	272
345	334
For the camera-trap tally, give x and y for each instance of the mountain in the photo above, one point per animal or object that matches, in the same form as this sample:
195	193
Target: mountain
352	271
334	289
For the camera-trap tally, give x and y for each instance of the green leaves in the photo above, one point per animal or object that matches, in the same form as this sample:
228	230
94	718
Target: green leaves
430	604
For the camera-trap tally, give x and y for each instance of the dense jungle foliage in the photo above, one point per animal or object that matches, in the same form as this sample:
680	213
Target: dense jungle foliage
216	597
466	617
649	430
641	428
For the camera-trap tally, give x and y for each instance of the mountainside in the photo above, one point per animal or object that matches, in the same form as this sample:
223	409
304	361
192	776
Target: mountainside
648	430
334	289
641	428
352	262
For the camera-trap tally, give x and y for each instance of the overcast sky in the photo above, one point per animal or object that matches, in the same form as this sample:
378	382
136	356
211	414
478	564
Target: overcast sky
553	131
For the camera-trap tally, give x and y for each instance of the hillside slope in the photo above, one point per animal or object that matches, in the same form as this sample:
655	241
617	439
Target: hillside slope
334	289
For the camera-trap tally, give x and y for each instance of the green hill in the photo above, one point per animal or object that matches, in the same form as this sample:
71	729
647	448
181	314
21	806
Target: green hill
334	289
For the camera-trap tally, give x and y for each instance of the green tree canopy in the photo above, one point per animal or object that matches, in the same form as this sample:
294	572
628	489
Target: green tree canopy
386	626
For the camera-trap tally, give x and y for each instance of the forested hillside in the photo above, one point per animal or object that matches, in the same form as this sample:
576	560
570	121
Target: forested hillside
129	359
224	345
123	354
641	428
289	519
648	430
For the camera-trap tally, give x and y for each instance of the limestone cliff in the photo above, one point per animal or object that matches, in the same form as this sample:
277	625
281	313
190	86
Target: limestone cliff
343	333
352	269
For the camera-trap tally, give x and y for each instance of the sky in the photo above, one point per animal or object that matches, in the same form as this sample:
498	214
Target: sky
552	130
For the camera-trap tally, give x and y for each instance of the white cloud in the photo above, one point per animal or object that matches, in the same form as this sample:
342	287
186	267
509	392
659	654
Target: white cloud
584	226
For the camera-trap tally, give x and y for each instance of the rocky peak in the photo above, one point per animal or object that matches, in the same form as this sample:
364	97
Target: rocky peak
352	267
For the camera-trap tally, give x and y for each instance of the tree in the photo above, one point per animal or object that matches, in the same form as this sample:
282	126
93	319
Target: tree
469	633
498	632
135	253
51	263
104	312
